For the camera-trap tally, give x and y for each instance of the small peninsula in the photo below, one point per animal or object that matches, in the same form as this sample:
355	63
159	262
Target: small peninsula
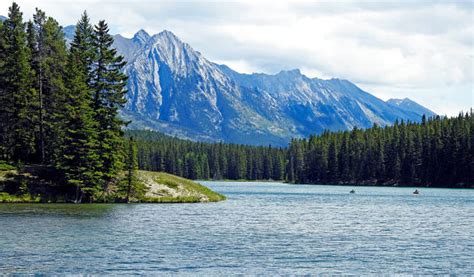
37	184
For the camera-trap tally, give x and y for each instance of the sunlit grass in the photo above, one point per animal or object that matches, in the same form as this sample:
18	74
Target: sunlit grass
20	188
192	188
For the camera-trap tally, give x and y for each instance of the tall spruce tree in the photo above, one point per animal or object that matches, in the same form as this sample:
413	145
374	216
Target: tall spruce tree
3	98
79	160
49	57
17	137
83	45
108	83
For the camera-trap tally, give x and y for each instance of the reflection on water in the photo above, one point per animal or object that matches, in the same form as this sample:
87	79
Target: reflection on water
56	210
263	228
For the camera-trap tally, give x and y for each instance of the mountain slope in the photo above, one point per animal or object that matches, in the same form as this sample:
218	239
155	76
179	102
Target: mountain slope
315	104
409	105
174	89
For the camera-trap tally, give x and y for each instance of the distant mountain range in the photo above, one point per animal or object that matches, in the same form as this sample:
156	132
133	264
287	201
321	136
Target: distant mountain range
174	89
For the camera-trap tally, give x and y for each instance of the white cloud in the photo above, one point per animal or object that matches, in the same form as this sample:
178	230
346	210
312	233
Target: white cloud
417	49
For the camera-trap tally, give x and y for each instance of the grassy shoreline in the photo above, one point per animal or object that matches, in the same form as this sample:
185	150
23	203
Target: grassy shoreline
36	184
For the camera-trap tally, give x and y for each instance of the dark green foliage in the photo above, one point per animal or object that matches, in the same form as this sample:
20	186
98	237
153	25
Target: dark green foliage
46	41
17	96
83	46
130	186
199	160
108	83
59	107
79	160
436	152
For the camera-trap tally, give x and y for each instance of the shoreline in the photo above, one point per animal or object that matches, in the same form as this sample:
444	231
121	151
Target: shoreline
339	184
154	188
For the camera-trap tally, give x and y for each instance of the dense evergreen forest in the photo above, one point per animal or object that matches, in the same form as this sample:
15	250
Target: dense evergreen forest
200	160
59	104
436	152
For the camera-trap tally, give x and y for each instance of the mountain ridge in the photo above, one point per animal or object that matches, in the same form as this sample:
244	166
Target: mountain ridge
174	89
409	105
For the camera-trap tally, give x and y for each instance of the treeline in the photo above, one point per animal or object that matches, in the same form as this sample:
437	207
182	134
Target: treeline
436	152
200	160
59	104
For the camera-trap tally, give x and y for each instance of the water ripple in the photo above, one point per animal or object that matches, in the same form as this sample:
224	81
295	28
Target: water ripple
262	229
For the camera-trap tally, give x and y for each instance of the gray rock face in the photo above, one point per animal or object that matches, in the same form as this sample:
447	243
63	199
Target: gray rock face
69	32
174	89
409	105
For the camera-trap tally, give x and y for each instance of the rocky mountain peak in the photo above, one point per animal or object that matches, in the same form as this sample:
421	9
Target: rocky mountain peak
409	105
179	56
141	36
175	89
169	40
291	72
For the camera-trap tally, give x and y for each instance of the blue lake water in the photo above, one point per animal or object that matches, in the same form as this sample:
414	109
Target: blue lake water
263	228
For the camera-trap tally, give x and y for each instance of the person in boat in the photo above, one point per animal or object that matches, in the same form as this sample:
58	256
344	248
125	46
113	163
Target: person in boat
416	191
352	191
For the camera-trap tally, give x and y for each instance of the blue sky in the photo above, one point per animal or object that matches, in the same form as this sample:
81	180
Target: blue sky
394	49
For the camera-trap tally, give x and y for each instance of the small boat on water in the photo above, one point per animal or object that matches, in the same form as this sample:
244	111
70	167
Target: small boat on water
416	191
352	191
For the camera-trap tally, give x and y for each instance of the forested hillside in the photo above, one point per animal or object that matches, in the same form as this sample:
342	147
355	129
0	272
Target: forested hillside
200	160
437	152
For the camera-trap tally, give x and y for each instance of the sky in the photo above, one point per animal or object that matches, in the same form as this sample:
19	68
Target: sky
423	50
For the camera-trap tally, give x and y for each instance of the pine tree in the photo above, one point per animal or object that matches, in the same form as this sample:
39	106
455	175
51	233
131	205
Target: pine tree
278	166
83	43
16	94
205	168
332	160
109	84
49	58
79	159
4	108
343	159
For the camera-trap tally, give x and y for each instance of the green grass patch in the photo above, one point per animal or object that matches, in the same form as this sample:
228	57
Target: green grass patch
37	184
26	198
169	199
190	187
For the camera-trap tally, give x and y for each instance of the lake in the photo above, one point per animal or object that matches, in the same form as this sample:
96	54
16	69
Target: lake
263	228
